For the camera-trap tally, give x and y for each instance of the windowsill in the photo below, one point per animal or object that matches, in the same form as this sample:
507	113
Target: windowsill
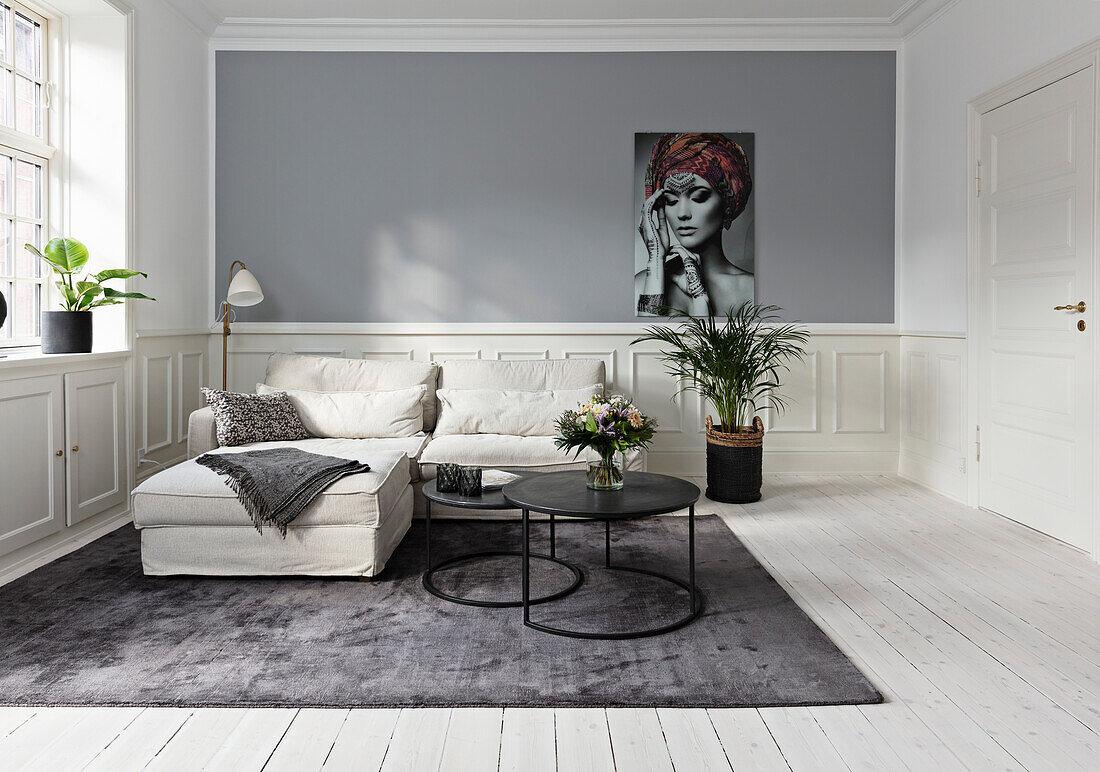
11	358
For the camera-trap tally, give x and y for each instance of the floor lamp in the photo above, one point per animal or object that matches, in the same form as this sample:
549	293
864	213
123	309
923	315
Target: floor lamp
244	290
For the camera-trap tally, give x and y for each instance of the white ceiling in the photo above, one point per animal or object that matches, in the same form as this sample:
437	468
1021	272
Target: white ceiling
787	10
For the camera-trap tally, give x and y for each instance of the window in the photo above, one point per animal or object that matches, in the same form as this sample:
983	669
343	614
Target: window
24	171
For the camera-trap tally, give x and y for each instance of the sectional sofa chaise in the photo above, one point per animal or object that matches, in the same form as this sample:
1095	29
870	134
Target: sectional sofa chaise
192	523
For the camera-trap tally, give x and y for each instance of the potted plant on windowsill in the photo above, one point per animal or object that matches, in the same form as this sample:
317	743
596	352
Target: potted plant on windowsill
70	331
736	366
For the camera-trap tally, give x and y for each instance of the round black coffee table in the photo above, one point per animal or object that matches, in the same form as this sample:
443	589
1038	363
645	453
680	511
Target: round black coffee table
488	500
644	494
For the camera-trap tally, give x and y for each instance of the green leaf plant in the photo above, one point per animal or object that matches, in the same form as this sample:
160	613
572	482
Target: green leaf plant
737	365
66	257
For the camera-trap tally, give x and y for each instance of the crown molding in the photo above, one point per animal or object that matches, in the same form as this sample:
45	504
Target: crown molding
559	35
913	17
197	14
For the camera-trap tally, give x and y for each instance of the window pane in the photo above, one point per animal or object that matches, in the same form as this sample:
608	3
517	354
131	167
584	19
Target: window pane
25	44
6	256
27	265
6	200
5	88
5	49
28	309
28	106
28	189
5	289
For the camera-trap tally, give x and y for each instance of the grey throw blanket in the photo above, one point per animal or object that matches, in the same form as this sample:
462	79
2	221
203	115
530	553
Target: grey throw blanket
276	485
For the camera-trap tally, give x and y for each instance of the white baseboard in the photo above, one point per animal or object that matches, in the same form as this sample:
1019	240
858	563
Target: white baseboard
44	551
694	463
932	474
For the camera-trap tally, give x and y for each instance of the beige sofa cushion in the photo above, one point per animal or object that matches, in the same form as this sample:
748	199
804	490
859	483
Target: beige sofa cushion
311	373
190	494
357	414
497	411
521	375
505	451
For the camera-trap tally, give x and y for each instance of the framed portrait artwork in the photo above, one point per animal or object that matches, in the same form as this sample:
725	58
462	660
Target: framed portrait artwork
694	236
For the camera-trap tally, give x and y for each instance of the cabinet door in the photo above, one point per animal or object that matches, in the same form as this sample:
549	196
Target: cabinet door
32	460
95	408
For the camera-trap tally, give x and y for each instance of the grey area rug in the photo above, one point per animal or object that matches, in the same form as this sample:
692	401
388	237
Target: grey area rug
92	629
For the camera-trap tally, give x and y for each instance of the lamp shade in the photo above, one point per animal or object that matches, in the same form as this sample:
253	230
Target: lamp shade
244	290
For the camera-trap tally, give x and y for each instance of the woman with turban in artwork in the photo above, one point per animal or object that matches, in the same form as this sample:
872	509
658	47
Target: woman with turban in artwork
695	186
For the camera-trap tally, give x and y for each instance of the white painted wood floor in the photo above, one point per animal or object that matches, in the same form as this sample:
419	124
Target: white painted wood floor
983	636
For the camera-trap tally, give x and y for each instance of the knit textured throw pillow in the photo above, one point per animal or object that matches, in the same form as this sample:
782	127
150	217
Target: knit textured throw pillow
241	419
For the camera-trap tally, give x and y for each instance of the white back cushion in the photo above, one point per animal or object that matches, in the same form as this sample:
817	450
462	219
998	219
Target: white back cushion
312	373
521	375
357	414
498	411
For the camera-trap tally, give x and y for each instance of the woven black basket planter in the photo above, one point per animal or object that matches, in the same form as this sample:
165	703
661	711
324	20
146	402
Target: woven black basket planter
735	464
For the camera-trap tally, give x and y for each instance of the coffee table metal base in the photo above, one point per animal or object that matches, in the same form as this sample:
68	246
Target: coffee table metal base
429	581
695	598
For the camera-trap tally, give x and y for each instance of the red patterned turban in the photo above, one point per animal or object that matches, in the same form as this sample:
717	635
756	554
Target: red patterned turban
714	157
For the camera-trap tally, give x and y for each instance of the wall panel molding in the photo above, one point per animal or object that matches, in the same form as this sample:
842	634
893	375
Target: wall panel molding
860	403
158	389
190	377
932	441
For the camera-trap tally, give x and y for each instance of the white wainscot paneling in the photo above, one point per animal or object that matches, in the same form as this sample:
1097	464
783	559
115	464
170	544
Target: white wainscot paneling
798	441
860	403
190	373
171	369
933	445
157	388
515	356
655	391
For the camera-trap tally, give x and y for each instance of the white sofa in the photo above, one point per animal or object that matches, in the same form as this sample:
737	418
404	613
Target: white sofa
192	523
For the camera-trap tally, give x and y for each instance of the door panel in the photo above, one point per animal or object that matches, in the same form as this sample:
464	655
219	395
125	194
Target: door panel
31	472
1035	247
96	473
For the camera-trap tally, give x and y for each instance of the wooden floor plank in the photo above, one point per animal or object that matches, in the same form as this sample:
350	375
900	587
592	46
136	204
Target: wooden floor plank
308	741
637	740
197	740
527	742
249	746
140	741
692	740
13	718
473	740
363	740
28	739
417	741
745	738
583	740
83	740
802	741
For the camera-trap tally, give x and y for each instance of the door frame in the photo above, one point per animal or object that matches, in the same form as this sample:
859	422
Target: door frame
1078	59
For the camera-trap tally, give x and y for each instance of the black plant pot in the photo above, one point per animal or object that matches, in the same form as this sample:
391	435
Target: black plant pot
3	309
66	332
735	463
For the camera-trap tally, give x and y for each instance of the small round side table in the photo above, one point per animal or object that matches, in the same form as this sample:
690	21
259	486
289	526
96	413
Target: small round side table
487	500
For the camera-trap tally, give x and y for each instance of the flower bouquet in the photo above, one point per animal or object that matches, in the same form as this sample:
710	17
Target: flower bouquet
610	426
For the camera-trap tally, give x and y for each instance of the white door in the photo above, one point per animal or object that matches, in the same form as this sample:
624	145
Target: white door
1036	209
32	461
95	405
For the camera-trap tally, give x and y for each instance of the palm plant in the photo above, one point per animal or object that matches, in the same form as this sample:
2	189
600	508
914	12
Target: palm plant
737	365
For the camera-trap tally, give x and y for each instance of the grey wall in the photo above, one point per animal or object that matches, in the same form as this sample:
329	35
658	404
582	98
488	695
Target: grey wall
364	187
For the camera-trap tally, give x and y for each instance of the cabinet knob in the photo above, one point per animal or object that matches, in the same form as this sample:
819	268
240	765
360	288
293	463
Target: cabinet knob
60	453
76	448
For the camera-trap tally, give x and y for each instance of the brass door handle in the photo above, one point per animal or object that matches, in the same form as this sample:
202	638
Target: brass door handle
76	448
1079	308
60	453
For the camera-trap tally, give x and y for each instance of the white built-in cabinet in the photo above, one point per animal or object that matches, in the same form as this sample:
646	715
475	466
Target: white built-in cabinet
63	451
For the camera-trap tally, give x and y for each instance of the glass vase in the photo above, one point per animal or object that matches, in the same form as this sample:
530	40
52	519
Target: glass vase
607	473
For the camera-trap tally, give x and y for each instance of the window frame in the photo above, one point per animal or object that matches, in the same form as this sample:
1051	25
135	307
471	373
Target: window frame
39	151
